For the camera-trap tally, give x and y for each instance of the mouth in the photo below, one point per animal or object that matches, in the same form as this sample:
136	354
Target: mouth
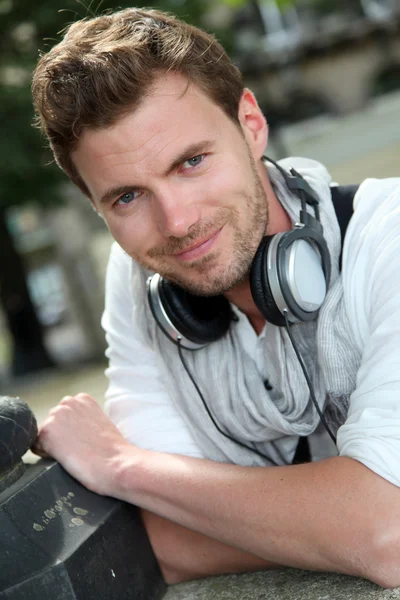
198	249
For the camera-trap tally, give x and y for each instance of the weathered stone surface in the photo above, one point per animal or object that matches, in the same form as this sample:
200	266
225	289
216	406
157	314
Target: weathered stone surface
281	584
18	430
11	475
59	541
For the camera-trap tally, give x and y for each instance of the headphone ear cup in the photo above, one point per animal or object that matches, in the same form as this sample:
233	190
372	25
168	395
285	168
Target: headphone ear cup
260	286
200	319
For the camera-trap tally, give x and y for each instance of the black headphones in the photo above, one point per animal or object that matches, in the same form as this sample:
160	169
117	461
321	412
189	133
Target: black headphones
289	277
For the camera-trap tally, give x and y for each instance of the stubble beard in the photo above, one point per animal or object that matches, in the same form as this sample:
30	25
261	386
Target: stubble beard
204	276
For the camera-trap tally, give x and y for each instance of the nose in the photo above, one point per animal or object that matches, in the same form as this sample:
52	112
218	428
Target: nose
175	213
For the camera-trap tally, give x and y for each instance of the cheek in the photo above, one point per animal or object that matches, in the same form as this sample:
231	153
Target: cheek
225	183
133	234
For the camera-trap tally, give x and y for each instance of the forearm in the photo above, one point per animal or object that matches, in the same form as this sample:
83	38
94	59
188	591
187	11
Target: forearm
320	516
184	554
332	515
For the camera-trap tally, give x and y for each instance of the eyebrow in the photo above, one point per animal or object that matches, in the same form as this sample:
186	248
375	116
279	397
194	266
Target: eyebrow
189	152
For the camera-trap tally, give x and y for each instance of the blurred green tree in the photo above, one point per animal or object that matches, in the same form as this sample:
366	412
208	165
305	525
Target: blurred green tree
27	27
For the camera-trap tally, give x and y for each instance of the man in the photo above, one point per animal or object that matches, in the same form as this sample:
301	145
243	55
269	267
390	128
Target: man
150	119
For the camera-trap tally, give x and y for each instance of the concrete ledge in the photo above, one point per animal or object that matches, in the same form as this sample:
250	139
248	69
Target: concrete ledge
281	584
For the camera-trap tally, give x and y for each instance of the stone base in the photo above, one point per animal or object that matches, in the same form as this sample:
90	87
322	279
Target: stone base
281	584
10	476
61	542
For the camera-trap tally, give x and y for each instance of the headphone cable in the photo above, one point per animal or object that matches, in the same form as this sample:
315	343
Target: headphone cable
308	380
185	366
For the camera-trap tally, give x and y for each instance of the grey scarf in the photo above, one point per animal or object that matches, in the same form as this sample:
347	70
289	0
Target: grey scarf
229	379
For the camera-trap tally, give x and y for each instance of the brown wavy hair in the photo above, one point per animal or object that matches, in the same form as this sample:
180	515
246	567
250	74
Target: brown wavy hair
104	67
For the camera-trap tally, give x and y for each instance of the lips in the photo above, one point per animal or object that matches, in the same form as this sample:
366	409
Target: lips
196	245
199	248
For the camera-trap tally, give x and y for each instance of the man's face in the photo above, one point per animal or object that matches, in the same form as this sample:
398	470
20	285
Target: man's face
178	186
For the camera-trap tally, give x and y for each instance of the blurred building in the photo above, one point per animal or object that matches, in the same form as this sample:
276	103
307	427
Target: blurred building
318	57
64	251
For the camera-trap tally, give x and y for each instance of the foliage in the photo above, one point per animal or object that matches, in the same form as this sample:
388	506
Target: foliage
241	3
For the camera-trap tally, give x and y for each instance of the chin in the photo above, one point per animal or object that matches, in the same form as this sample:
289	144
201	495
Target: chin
208	277
214	287
197	288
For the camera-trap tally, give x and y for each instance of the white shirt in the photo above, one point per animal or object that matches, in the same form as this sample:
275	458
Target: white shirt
137	401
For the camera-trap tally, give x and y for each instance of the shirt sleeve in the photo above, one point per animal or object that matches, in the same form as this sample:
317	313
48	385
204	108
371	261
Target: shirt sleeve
371	433
136	399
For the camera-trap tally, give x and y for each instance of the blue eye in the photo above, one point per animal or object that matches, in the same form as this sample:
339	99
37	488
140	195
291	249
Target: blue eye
127	198
195	161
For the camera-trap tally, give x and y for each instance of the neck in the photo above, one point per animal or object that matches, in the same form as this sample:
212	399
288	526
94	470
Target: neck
241	296
278	221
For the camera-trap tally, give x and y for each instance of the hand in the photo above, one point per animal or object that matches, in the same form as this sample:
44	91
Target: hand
85	442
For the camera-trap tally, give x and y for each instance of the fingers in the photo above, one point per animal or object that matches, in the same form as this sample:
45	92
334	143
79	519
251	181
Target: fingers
84	441
37	449
68	409
38	445
80	398
41	446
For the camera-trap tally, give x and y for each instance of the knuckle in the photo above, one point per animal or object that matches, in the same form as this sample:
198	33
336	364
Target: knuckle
52	413
85	397
66	400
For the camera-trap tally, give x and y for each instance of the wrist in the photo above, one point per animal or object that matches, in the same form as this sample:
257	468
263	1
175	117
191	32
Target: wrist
127	467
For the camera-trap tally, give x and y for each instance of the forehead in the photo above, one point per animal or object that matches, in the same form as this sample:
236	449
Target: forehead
173	114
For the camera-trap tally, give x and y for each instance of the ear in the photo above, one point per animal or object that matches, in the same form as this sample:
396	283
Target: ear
254	124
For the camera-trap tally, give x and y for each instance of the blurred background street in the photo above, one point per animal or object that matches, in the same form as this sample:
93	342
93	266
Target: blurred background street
327	76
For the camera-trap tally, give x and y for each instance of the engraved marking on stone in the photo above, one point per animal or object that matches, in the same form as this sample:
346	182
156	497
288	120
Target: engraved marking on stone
77	521
53	511
80	511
